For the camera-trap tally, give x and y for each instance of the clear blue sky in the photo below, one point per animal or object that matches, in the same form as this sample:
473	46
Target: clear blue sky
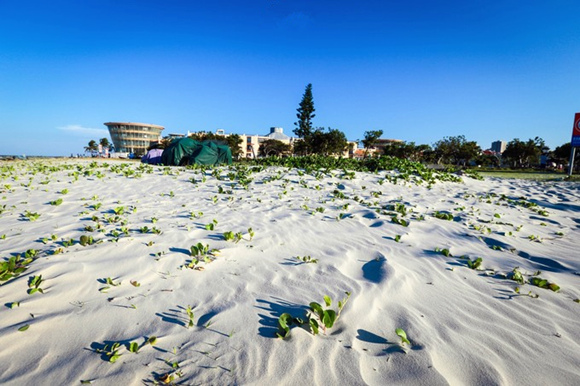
418	71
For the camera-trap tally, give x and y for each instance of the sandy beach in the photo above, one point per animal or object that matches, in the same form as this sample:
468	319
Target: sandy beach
406	252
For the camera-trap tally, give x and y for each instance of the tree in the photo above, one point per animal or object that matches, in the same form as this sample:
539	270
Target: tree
407	150
523	154
274	147
104	142
92	146
330	142
305	114
370	139
455	150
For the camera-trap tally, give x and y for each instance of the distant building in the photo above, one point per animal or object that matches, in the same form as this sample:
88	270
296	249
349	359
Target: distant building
131	137
498	146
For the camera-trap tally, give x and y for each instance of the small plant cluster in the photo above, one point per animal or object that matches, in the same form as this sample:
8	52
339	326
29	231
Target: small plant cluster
13	267
307	259
316	317
443	216
517	276
112	352
200	252
236	237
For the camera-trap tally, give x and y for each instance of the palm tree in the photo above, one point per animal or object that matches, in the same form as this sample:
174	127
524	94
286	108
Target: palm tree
104	142
92	146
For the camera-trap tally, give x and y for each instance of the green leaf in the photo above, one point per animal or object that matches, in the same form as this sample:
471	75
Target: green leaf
327	300
314	326
284	322
152	340
317	308
113	358
403	335
24	328
14	305
134	347
329	318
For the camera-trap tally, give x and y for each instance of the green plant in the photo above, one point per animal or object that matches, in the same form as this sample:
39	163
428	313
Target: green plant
144	229
326	318
231	236
189	312
445	252
403	335
443	216
64	191
133	347
68	243
307	259
86	240
543	283
112	353
135	283
251	233
56	202
110	281
31	216
517	276
475	264
34	285
13	267
398	238
119	210
211	226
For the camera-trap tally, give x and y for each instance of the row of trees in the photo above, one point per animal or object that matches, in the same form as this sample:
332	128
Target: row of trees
454	150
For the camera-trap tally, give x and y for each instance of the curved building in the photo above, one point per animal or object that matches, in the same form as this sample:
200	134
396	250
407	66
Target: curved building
131	137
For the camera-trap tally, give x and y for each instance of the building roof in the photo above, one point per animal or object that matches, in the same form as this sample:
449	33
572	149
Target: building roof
133	124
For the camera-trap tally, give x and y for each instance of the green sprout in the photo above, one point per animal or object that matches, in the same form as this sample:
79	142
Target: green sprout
403	335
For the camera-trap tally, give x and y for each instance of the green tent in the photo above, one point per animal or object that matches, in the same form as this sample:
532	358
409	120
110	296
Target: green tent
211	153
185	151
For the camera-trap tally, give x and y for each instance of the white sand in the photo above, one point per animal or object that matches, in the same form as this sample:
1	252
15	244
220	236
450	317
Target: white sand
465	326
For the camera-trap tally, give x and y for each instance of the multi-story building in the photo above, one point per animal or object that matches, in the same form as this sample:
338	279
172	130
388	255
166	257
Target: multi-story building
498	146
131	137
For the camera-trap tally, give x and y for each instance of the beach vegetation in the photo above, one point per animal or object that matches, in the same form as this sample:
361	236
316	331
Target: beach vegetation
24	328
13	267
31	216
474	264
516	276
324	317
86	240
403	335
189	312
444	251
443	216
543	283
56	202
34	285
307	259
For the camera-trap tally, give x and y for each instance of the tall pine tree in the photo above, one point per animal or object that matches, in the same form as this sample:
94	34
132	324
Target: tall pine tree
305	114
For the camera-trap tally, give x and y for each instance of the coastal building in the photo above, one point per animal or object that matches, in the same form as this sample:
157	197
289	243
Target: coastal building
498	146
250	146
131	137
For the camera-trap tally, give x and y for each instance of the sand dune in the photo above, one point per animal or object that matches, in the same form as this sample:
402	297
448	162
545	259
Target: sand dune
466	326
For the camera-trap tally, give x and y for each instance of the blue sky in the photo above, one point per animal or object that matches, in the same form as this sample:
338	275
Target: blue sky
418	71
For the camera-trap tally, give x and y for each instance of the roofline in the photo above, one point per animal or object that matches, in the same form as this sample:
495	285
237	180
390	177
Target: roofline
133	123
